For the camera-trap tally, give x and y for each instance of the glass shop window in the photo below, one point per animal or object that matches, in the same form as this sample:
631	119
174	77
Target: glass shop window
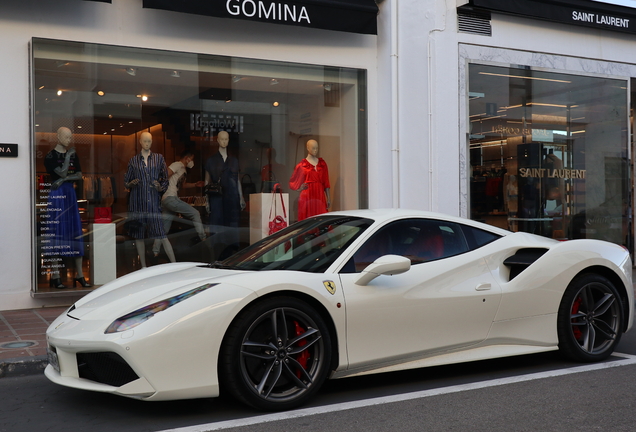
144	157
549	153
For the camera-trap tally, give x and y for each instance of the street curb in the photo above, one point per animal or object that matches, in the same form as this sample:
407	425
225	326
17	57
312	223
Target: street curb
23	366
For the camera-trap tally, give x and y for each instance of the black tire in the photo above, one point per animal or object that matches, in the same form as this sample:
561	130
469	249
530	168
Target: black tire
590	321
276	354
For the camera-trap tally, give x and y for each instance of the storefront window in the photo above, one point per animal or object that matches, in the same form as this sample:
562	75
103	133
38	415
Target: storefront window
549	153
221	132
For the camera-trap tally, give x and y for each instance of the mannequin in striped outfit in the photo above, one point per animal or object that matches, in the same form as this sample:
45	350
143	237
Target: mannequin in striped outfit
147	179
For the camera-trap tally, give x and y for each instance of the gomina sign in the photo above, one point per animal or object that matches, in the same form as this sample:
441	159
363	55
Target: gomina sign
8	150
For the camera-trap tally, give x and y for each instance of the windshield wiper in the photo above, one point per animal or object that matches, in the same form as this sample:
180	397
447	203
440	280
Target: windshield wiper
220	265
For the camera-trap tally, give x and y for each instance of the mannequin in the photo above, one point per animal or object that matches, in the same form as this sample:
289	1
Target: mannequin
171	204
311	178
224	208
146	178
63	166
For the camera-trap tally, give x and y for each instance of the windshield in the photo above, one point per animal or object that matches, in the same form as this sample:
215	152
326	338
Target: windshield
311	245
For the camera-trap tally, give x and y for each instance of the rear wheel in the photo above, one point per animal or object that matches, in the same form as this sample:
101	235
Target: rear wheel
590	319
276	354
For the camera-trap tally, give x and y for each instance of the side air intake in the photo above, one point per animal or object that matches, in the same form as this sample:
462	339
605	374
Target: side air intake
522	260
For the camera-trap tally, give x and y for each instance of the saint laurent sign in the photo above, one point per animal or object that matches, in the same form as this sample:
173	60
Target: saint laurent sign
608	15
8	150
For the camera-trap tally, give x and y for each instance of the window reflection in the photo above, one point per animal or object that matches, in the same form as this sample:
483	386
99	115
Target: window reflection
548	153
243	124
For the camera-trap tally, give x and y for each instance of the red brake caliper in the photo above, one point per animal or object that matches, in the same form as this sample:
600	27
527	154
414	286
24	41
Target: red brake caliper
303	357
575	309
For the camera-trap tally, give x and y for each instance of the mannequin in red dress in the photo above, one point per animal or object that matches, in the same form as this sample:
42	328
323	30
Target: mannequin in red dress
311	178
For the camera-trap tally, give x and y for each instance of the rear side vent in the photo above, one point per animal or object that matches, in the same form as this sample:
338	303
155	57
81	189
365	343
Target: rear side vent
522	260
474	22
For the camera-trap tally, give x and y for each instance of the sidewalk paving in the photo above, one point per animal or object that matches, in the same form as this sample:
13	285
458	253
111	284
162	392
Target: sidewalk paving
23	340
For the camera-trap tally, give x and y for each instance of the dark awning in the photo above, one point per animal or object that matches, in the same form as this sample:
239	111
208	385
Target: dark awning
597	14
353	16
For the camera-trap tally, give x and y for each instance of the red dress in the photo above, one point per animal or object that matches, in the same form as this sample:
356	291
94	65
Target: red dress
312	200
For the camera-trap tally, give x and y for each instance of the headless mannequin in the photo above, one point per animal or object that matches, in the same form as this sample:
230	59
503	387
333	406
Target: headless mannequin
64	138
145	140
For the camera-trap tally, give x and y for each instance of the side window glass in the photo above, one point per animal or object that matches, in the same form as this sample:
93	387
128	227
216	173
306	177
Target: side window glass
477	237
420	240
381	243
432	240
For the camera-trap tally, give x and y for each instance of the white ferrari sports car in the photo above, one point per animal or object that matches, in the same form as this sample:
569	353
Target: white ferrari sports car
339	295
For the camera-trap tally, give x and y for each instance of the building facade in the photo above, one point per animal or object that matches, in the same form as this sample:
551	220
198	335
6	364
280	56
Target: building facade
518	114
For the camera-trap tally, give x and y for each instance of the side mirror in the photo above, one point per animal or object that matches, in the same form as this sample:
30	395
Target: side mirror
385	265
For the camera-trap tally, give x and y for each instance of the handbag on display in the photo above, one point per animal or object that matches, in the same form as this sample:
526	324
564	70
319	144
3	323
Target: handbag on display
214	188
278	222
103	215
249	187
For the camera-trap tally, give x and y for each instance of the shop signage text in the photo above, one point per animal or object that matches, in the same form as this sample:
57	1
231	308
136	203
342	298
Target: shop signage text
8	150
267	10
590	17
616	15
211	123
552	173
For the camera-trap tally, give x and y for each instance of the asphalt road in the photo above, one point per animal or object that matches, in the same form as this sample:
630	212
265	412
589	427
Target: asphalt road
529	393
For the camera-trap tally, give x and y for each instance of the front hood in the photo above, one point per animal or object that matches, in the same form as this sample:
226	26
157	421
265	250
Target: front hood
125	295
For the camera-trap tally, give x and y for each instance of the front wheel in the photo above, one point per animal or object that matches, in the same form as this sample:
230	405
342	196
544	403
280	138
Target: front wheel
276	354
590	319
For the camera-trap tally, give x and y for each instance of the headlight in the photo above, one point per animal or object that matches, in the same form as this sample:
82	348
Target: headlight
137	317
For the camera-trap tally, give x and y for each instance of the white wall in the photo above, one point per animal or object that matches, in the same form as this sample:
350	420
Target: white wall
126	23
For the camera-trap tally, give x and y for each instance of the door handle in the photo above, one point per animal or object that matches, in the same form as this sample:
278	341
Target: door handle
483	287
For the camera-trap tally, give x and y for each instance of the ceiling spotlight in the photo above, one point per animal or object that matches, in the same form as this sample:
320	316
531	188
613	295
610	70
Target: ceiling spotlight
100	93
41	87
175	74
110	116
59	92
236	78
327	87
61	63
275	104
131	71
144	98
273	81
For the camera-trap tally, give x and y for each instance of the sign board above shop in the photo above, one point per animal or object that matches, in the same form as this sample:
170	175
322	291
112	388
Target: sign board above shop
616	15
8	150
352	16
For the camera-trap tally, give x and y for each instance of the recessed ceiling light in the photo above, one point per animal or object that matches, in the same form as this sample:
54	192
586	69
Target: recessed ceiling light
175	74
100	93
131	71
273	81
59	92
144	98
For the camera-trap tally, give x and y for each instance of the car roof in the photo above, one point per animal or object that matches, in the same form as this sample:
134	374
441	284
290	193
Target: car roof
388	214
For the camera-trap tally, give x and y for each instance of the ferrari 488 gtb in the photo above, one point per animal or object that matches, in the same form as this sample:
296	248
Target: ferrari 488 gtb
338	295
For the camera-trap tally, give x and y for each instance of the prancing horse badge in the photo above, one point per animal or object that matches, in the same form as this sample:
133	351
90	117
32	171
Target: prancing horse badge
331	287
